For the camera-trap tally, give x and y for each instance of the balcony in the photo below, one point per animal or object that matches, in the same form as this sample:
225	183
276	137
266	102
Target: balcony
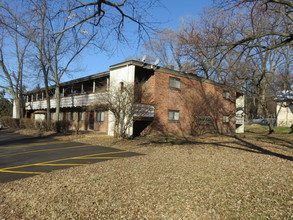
144	112
68	102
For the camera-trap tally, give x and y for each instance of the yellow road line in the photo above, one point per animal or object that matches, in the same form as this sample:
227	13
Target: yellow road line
12	171
101	158
34	151
63	159
56	164
81	157
34	144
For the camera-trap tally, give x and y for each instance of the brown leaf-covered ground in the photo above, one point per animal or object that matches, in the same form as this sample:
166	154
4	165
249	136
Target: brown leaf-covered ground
246	176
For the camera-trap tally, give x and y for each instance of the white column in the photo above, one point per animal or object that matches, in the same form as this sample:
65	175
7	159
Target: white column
94	86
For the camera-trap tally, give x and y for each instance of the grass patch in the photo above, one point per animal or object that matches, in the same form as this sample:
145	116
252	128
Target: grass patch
262	129
282	130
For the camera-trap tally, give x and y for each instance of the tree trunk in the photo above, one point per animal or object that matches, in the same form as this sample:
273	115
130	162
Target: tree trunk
116	127
268	121
57	96
47	98
17	105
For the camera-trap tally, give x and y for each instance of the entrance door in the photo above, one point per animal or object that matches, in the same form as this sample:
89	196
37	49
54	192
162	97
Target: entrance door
92	120
139	126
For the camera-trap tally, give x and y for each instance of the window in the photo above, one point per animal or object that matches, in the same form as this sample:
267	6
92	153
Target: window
100	116
174	83
226	95
173	115
72	116
203	120
80	116
225	119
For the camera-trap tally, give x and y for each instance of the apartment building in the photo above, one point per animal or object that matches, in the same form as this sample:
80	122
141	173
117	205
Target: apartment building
176	102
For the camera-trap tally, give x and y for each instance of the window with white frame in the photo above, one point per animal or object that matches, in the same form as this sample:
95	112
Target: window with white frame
173	115
100	116
225	119
174	83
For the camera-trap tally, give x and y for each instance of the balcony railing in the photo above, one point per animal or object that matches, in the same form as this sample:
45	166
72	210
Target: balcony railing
141	110
70	101
144	111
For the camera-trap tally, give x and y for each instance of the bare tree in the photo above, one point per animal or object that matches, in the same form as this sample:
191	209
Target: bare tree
57	51
61	30
115	15
278	14
124	103
165	45
13	52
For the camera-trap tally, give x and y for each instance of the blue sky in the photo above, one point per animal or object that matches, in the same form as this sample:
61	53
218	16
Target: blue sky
168	15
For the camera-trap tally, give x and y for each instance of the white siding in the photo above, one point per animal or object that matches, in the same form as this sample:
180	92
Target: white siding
126	75
240	114
284	114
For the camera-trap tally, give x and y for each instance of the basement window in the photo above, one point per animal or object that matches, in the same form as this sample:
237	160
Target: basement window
174	83
203	120
100	116
173	115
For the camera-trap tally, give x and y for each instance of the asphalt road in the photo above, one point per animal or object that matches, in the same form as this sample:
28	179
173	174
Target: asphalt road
23	156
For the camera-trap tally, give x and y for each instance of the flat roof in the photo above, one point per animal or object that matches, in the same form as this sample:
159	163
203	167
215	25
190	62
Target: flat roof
146	66
78	80
171	72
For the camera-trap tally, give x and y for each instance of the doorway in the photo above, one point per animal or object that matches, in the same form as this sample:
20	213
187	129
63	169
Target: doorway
92	120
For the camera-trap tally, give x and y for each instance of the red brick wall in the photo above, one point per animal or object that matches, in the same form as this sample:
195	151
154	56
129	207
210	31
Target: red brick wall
102	126
84	124
193	98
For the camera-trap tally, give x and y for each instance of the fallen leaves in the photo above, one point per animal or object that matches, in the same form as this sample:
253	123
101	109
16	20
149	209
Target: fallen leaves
210	177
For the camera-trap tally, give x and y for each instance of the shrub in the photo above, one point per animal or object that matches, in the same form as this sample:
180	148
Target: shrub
44	125
27	123
48	125
61	126
10	122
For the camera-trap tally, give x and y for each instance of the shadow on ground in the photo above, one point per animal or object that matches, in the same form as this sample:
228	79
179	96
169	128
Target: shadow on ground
257	144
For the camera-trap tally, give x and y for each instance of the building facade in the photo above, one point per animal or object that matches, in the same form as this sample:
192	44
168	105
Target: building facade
173	102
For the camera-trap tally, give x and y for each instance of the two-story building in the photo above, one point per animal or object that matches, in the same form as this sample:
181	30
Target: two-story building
177	103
